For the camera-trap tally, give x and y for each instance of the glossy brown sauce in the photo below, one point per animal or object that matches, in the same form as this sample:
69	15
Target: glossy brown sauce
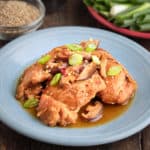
110	112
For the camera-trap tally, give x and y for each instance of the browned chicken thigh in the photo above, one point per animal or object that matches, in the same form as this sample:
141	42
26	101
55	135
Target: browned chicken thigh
29	81
119	87
70	97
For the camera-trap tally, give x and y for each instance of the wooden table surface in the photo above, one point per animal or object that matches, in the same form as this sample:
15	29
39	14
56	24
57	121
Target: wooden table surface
64	13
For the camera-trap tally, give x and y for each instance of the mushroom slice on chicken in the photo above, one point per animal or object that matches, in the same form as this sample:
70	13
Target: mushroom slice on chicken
87	71
93	111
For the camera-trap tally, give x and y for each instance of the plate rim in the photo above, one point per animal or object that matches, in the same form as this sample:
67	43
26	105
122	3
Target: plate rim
143	52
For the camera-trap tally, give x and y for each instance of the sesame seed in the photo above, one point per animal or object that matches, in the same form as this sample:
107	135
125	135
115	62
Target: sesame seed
17	13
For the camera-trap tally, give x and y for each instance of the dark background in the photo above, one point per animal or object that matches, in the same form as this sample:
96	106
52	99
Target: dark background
65	13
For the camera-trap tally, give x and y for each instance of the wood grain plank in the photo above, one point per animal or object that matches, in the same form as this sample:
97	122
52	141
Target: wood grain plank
2	43
43	146
131	143
10	140
144	43
70	12
146	138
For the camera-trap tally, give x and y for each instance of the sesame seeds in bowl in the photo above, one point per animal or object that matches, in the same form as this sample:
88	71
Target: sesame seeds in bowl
20	17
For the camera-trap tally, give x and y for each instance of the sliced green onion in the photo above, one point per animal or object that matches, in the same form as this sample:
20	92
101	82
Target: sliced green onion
118	22
30	103
96	60
114	70
139	20
145	27
74	47
75	59
128	22
104	13
55	80
146	19
131	14
44	59
132	10
144	12
134	27
91	47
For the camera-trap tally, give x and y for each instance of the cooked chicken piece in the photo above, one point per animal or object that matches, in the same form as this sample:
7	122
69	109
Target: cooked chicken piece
72	96
93	112
53	112
54	67
31	76
33	91
119	88
60	53
99	52
70	74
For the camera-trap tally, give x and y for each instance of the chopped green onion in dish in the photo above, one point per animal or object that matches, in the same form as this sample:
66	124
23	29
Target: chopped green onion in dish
90	47
30	103
96	60
147	18
132	11
74	47
75	59
44	59
114	70
55	80
131	14
144	27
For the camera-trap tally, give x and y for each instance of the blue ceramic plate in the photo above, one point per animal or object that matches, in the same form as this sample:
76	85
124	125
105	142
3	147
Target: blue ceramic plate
16	55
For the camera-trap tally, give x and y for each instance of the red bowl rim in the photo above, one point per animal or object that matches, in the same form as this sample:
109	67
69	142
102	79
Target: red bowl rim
110	25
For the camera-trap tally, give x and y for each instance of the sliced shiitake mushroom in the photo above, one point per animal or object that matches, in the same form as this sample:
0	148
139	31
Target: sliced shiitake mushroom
93	111
87	72
103	67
